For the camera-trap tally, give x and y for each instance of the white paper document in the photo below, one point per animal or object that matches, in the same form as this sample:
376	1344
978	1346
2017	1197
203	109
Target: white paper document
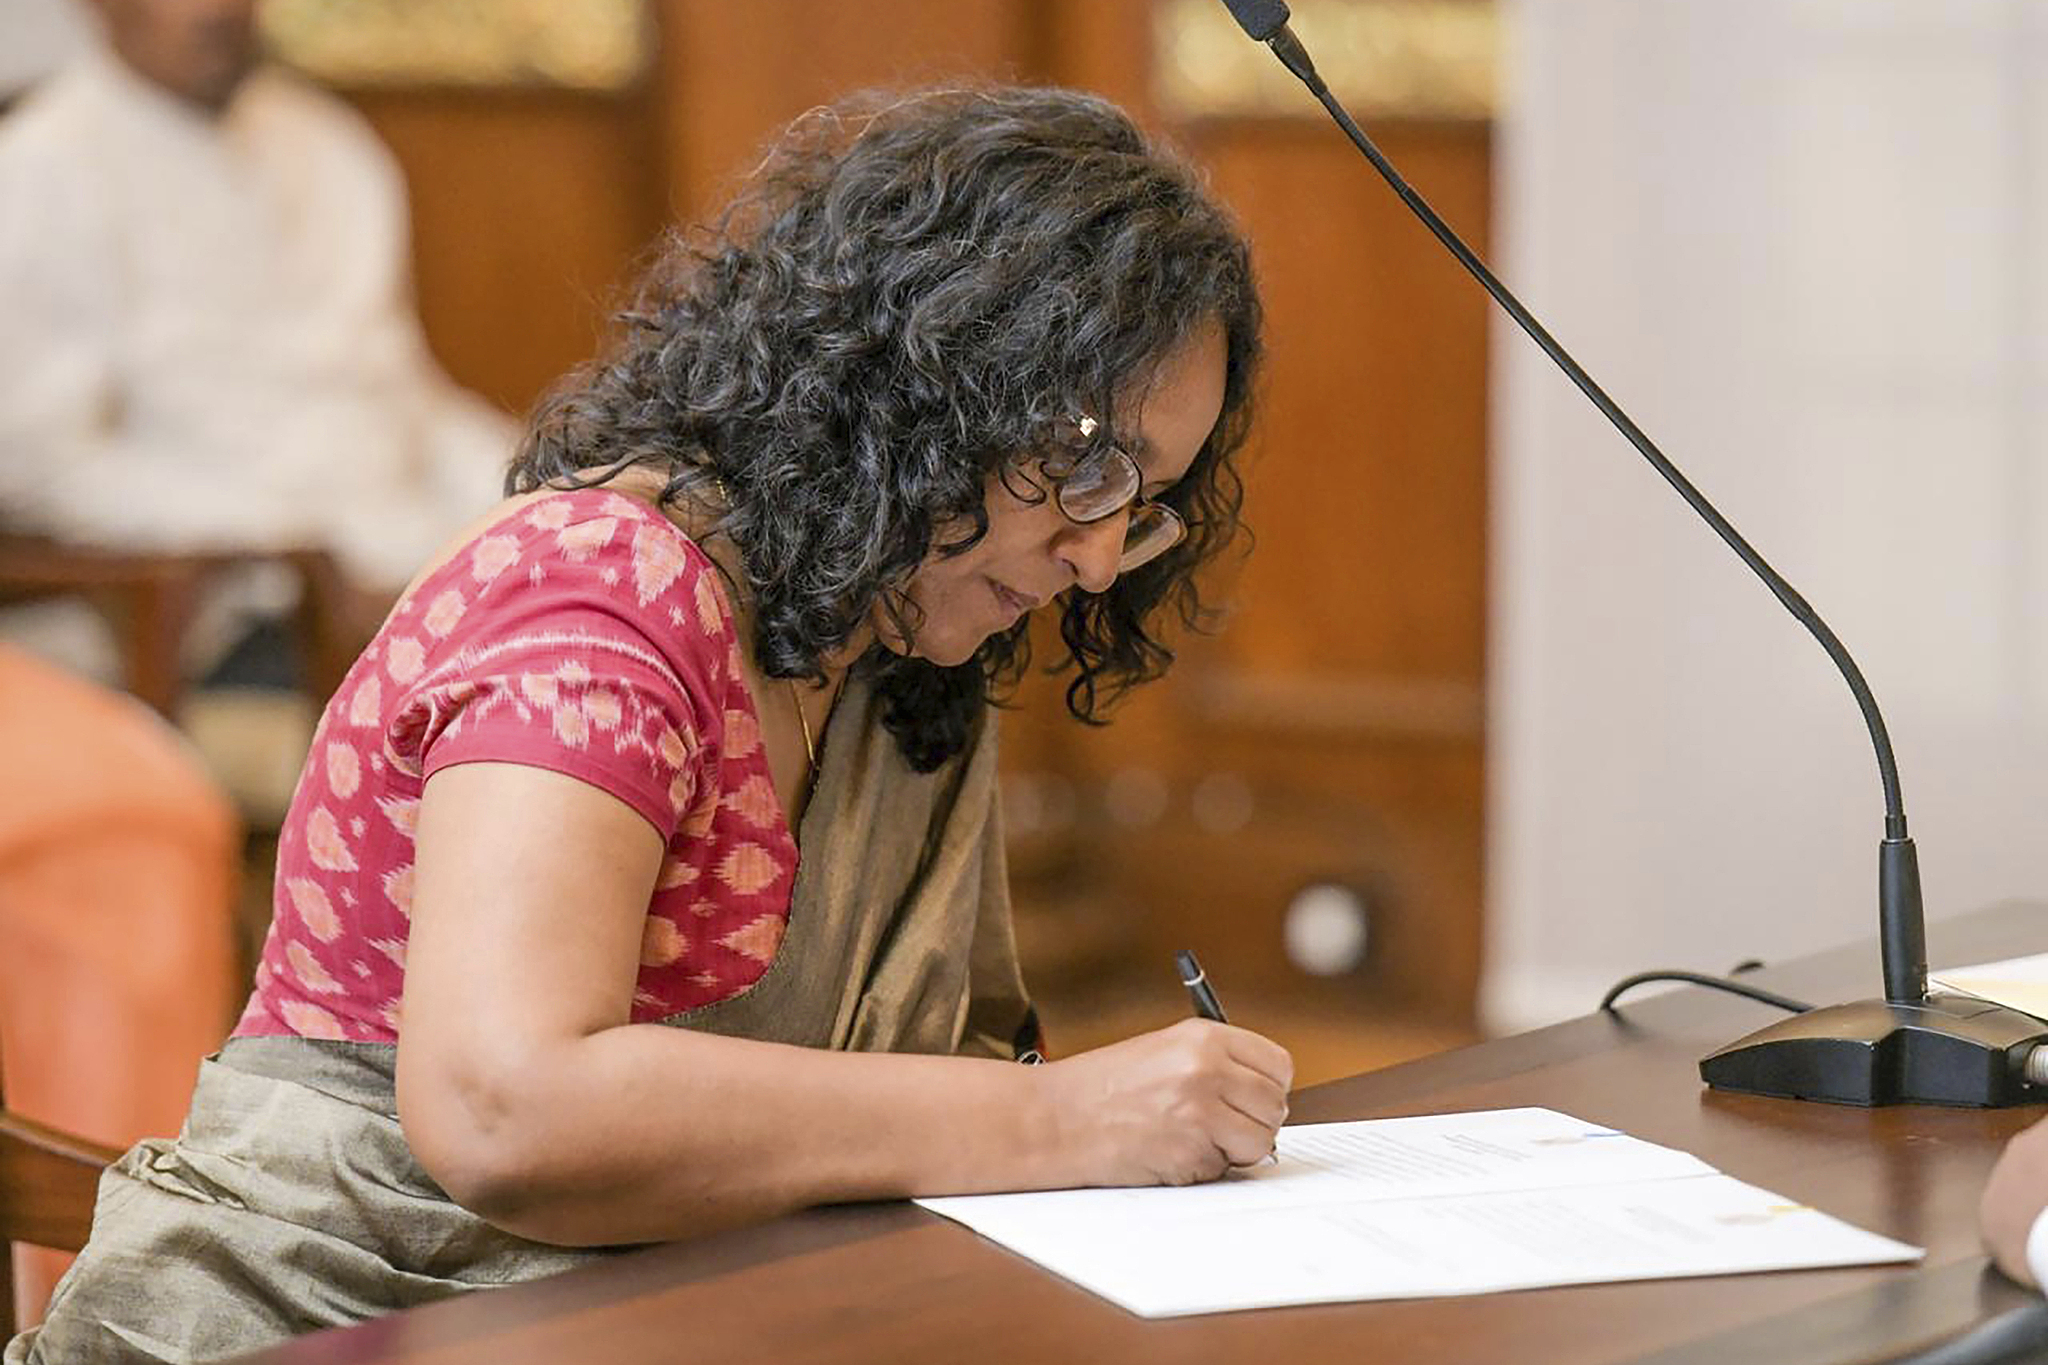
2019	983
1414	1208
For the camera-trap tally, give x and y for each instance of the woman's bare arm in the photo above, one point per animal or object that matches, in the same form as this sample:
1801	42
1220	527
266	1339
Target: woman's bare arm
525	1092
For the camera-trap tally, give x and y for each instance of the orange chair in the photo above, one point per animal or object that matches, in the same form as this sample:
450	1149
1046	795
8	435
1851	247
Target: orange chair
118	867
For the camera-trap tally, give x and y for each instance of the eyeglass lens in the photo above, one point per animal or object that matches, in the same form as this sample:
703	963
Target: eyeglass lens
1153	531
1104	485
1100	486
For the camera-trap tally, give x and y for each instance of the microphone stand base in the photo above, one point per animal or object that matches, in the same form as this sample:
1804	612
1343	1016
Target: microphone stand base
1948	1049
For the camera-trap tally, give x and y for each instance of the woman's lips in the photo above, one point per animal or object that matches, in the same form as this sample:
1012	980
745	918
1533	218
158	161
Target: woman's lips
1013	602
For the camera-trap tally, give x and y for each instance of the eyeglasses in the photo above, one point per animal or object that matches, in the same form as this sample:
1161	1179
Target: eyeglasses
1100	483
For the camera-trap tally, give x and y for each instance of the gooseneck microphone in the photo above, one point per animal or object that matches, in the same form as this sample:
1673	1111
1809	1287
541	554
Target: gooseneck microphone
1909	1047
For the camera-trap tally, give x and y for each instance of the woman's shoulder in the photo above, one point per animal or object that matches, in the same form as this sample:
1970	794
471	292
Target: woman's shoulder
586	581
577	630
577	525
577	544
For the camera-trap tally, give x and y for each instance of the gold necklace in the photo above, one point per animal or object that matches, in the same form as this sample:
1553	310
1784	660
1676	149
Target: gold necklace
795	696
803	719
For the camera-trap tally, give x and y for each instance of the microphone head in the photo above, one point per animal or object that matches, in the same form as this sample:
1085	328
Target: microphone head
1260	18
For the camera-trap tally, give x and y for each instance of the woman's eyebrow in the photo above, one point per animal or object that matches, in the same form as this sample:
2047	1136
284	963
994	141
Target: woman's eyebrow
1141	451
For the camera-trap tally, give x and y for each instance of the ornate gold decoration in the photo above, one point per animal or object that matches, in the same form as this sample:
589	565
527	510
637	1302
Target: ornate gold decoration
580	44
1399	59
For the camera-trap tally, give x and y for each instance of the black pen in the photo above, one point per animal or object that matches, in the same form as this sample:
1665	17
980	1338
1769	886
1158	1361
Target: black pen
1207	1006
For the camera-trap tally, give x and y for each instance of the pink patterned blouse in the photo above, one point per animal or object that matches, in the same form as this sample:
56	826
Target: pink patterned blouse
583	633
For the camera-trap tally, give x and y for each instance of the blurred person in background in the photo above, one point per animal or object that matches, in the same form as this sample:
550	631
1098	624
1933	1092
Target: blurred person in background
208	341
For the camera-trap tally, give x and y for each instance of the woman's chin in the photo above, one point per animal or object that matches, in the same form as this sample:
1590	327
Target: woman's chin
944	644
947	656
942	652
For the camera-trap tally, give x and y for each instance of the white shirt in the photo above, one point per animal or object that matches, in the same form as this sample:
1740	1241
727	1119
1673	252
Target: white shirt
2037	1249
207	339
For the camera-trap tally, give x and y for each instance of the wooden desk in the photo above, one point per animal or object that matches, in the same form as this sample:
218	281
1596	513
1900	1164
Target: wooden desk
890	1283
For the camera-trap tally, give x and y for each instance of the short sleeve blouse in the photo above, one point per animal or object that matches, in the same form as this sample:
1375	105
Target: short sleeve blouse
582	633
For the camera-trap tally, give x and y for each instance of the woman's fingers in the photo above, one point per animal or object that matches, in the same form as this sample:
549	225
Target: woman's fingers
1262	1055
1242	1139
1256	1098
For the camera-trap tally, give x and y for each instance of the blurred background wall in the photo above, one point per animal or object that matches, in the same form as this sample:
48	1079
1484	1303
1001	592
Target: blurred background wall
1806	243
40	34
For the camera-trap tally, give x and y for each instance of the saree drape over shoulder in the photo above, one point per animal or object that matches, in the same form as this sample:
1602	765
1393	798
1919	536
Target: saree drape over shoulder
291	1201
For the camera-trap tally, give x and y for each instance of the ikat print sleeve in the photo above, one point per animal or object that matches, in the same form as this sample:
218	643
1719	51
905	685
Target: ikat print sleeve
587	637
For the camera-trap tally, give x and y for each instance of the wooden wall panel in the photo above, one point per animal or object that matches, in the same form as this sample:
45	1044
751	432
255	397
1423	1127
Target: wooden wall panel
528	209
1371	465
733	74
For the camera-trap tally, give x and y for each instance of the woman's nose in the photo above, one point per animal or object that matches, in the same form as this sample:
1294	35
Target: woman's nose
1092	551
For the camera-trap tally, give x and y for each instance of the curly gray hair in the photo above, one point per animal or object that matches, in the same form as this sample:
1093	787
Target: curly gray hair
908	296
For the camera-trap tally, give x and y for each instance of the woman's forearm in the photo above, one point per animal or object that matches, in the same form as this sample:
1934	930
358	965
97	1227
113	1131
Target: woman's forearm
644	1133
648	1133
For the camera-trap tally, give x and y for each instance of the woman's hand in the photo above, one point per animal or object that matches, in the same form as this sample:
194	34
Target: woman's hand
2013	1198
1181	1105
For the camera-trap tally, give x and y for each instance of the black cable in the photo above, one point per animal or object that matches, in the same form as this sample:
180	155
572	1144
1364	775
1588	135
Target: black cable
1295	58
1719	983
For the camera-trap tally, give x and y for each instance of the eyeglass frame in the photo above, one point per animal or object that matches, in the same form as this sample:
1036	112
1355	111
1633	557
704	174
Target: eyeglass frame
1135	503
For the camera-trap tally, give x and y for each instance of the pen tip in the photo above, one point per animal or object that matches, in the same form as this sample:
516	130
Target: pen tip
1190	970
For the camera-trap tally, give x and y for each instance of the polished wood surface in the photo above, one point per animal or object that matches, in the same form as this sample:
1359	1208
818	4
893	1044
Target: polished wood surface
892	1283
